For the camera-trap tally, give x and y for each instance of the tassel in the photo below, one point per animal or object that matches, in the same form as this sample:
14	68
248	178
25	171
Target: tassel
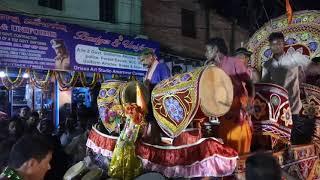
141	100
289	11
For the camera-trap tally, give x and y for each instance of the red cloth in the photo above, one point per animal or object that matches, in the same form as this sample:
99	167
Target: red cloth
102	141
185	155
188	137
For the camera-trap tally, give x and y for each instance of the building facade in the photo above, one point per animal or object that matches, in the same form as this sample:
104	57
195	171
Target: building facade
183	26
121	16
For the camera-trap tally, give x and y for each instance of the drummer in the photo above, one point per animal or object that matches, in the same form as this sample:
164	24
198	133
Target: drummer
156	73
235	126
283	70
244	55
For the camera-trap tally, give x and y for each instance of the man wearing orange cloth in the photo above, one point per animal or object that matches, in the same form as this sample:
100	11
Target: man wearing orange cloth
235	127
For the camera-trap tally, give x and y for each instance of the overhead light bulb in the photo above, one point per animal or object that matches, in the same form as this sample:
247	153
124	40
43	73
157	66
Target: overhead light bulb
25	75
2	74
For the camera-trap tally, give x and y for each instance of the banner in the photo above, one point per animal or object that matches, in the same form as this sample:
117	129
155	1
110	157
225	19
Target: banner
39	43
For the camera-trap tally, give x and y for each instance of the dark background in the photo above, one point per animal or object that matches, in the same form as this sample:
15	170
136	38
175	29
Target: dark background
252	14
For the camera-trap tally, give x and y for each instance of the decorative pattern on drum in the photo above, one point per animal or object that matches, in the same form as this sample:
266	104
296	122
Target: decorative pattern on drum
302	35
272	113
310	96
109	96
192	96
175	102
173	107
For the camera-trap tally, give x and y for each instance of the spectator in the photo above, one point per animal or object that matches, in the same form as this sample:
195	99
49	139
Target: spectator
69	132
42	114
29	163
31	123
3	116
263	167
77	148
60	160
15	129
24	114
5	147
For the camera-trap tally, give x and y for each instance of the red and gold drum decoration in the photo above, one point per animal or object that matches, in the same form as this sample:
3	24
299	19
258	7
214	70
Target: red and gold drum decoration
310	96
205	157
101	143
272	113
303	35
177	101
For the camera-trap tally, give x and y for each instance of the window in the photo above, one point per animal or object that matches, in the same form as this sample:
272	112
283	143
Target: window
54	4
188	27
107	11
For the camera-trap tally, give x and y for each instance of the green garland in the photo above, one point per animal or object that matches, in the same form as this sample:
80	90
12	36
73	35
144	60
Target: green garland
10	174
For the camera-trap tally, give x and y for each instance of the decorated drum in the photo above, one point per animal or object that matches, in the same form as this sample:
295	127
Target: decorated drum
272	113
101	146
204	92
302	35
112	95
151	175
206	157
109	96
129	92
76	171
310	96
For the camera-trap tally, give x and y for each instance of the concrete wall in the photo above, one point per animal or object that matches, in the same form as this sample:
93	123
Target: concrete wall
162	19
221	27
85	13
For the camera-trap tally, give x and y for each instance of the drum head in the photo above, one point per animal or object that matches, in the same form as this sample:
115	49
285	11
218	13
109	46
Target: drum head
216	92
94	174
129	92
151	175
74	171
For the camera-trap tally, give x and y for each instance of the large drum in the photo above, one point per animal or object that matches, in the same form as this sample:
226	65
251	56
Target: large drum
272	113
77	171
204	92
116	93
310	96
205	157
109	96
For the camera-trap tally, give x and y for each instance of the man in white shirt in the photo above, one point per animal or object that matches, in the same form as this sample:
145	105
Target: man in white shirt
283	69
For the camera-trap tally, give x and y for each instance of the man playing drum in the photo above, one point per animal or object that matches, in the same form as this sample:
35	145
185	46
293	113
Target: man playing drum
283	69
234	127
244	55
156	73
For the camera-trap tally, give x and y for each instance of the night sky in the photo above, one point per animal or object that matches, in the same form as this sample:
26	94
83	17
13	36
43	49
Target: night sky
252	14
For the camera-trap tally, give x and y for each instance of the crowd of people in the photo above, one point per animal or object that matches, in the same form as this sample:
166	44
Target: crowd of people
32	134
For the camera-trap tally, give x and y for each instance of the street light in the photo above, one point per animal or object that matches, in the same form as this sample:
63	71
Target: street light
25	75
2	74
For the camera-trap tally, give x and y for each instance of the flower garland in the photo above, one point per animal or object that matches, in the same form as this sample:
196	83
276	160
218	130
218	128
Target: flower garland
93	83
9	84
135	113
18	77
41	84
66	85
